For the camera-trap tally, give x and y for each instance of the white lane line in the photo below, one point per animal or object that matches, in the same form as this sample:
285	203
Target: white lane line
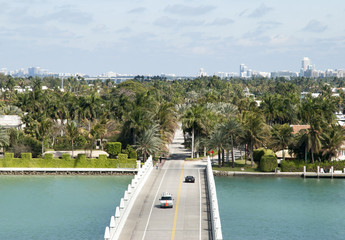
153	203
200	204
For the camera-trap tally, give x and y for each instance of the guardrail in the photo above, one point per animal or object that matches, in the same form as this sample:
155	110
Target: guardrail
117	222
214	210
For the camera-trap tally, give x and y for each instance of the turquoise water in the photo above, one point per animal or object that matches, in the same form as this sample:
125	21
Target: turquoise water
281	208
58	207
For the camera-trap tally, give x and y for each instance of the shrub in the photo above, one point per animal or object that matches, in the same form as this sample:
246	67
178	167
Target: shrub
8	156
122	157
66	156
257	154
81	157
48	156
133	154
102	157
113	148
268	163
292	166
26	156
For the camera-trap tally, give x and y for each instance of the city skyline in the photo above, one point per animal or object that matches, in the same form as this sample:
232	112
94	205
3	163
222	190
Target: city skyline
151	37
307	69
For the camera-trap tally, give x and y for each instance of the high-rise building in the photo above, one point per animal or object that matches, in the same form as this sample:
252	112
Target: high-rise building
34	71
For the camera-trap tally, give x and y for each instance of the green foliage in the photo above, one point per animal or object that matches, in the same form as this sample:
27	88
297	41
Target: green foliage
8	156
102	157
81	157
122	157
130	152
257	154
66	156
48	156
268	163
113	148
26	156
297	165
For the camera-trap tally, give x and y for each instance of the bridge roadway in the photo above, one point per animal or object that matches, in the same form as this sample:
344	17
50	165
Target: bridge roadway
189	218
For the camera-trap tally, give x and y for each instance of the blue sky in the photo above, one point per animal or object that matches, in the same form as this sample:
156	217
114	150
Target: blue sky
157	36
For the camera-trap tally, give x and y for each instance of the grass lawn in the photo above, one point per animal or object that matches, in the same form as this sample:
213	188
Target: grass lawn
238	165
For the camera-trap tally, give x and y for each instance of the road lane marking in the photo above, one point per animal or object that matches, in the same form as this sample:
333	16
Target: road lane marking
153	203
177	202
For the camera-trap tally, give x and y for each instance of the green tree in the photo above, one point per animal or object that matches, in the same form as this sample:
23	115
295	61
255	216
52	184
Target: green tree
255	131
281	136
149	142
72	133
332	138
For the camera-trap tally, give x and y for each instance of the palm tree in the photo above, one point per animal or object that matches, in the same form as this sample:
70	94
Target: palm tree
281	136
149	142
233	128
43	130
4	137
193	118
217	140
72	133
331	140
96	132
255	131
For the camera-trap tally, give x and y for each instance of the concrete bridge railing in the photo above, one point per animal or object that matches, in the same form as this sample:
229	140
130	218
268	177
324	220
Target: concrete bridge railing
117	222
214	210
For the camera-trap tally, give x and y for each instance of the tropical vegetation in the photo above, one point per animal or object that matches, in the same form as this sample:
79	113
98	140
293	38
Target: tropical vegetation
143	114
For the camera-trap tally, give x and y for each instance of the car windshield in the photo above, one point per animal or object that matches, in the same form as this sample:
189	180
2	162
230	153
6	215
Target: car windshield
166	198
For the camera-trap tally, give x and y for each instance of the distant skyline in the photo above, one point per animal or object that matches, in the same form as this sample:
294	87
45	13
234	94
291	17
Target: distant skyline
180	37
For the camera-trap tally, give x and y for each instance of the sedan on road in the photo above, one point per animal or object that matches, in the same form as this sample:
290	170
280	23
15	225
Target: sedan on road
190	179
166	200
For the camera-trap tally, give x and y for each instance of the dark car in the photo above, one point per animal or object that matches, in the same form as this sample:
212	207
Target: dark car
189	179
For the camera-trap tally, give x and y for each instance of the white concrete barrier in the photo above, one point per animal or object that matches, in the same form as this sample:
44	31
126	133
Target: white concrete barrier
121	214
215	218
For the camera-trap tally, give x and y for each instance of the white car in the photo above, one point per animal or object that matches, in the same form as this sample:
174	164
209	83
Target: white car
166	200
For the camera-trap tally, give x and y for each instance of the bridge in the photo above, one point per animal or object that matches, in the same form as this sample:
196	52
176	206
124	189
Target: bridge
195	212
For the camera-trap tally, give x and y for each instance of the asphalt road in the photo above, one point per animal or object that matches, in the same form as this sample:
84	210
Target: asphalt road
188	219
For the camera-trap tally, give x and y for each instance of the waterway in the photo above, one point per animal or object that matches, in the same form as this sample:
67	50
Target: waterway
79	207
58	207
281	208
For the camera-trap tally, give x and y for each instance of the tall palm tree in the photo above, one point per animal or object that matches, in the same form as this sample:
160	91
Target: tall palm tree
43	130
72	133
255	130
193	118
331	140
4	138
217	140
149	142
281	136
233	129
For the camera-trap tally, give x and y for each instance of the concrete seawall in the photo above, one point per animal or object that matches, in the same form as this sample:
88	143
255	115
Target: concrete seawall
214	210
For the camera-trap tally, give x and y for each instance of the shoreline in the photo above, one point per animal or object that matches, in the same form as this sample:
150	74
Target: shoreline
256	174
68	171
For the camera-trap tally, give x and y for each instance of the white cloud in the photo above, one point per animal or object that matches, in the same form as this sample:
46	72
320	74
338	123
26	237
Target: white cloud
260	11
315	26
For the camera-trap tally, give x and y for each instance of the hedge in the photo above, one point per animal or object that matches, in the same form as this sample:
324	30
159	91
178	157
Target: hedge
48	156
133	154
297	165
66	162
26	156
113	148
8	156
257	154
268	163
122	157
